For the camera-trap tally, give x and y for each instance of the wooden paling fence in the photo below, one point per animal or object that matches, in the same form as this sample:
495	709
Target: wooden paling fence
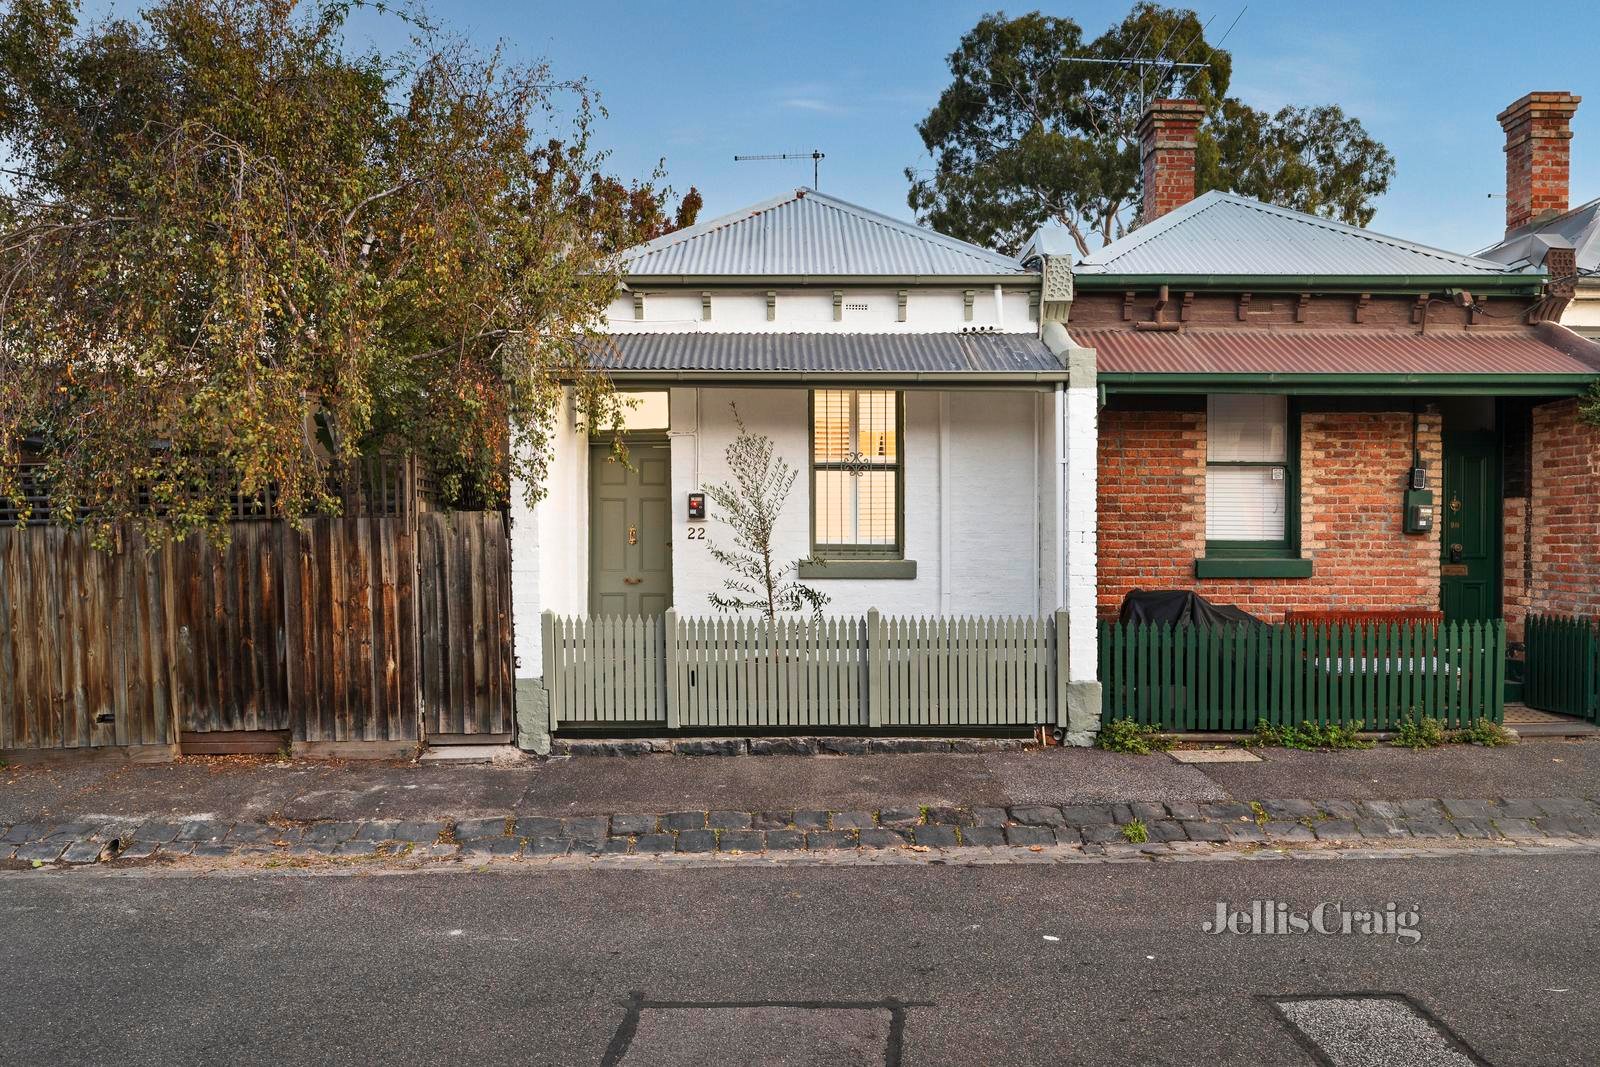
352	629
1563	667
860	672
1184	677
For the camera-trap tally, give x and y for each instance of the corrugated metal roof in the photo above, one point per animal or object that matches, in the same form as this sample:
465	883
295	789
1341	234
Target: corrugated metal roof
1532	351
928	353
1223	234
807	233
1527	245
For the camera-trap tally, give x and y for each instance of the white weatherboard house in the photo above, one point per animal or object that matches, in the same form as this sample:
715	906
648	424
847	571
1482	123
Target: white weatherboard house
942	424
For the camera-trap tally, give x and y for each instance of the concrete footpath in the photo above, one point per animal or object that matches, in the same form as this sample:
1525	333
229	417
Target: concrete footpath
1071	802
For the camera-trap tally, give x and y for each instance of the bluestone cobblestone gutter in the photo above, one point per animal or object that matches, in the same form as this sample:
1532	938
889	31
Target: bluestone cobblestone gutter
1091	829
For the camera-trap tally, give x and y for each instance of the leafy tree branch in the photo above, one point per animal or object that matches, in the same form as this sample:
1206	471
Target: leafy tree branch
225	236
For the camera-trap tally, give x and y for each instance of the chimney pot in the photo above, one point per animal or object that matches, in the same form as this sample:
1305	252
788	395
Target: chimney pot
1168	130
1538	131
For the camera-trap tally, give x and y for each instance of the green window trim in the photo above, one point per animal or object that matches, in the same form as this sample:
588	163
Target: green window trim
841	554
1286	549
1252	567
813	569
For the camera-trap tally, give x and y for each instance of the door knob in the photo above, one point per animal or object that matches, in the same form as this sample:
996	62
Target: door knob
633	535
1455	553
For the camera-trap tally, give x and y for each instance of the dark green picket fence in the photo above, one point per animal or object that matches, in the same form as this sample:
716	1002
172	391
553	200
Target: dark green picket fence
1231	677
1563	669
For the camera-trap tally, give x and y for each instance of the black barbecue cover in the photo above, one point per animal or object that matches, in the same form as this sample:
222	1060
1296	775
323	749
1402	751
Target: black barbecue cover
1180	605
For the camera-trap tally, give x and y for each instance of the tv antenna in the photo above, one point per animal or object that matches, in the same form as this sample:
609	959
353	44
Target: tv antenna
815	155
1164	68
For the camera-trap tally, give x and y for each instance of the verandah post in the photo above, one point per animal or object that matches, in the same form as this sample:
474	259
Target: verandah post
674	676
876	664
1063	663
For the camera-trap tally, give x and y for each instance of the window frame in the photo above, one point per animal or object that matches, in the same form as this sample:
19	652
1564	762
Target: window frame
842	552
1287	547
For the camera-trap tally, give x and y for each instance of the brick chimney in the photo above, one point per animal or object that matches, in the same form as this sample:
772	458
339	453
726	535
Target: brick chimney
1167	132
1538	149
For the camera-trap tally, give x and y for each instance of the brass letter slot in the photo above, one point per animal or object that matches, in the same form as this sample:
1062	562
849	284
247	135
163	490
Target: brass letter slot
632	581
1453	570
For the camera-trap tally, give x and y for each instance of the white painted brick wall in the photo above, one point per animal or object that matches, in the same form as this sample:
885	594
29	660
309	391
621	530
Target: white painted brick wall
1082	485
811	311
993	544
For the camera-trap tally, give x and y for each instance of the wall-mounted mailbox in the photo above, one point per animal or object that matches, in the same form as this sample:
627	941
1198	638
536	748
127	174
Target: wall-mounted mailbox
697	505
1419	511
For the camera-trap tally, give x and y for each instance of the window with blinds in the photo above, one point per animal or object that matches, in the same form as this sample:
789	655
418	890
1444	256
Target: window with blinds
1249	471
855	472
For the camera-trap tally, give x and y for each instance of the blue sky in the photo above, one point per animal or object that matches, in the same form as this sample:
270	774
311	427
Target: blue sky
697	83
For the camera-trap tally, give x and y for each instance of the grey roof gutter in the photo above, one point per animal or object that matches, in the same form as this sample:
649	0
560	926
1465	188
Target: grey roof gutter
1371	283
768	281
787	378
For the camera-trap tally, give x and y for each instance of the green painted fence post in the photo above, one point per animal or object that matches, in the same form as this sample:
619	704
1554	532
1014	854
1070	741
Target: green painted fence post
876	666
549	663
674	676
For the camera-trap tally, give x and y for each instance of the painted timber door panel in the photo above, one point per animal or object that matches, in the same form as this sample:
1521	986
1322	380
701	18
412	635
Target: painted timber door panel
630	531
1469	544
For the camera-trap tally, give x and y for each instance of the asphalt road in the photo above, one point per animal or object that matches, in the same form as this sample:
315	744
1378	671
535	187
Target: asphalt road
812	966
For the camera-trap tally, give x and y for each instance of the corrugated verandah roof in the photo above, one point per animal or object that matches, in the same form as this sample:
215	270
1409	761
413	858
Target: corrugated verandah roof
1541	350
866	353
807	233
1221	234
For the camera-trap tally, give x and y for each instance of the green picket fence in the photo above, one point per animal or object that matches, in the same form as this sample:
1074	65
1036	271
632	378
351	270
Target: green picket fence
1563	668
1196	678
852	673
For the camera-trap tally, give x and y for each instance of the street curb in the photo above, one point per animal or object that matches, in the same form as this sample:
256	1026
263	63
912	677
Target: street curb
1174	826
797	745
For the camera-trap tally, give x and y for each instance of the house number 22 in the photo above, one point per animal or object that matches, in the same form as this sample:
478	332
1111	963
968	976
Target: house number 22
697	533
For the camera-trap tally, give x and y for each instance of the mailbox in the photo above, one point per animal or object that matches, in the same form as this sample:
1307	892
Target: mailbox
697	505
1419	511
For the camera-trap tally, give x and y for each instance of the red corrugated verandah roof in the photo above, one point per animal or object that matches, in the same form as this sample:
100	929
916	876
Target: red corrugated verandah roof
1539	350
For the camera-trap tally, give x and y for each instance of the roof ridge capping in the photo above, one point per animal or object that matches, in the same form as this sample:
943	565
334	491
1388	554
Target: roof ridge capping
912	229
710	226
1192	216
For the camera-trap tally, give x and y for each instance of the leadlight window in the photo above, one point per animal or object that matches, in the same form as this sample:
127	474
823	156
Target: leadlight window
856	487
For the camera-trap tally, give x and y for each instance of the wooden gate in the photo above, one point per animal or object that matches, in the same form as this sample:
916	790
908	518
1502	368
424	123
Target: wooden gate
1563	668
464	619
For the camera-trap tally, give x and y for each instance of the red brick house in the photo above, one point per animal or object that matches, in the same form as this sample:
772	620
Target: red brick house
1300	414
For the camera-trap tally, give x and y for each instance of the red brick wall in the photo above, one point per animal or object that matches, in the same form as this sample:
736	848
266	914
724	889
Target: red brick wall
1152	501
1565	540
1514	593
1353	467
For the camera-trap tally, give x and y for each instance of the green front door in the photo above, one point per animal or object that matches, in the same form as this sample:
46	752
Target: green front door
1470	539
630	531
